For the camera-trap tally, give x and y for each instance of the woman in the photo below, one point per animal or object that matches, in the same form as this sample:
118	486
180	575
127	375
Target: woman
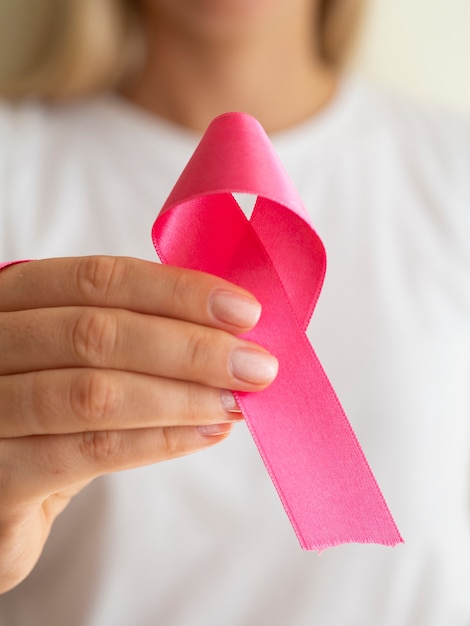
113	363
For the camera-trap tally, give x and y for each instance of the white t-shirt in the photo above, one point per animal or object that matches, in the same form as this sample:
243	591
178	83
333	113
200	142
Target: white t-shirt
204	540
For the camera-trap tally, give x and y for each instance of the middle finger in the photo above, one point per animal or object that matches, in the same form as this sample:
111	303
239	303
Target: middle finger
119	339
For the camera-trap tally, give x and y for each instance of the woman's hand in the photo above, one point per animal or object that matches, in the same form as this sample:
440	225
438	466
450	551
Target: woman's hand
106	364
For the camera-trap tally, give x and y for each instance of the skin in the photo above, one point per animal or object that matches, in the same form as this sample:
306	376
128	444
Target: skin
98	376
206	57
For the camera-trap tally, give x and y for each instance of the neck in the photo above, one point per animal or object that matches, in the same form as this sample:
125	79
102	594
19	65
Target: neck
270	70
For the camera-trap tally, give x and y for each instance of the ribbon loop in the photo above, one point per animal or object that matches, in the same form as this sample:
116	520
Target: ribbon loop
301	431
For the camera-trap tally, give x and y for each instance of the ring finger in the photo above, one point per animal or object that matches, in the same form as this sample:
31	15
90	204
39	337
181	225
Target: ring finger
79	400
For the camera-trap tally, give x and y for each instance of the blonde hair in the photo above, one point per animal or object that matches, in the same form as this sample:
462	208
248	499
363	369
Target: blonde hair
61	49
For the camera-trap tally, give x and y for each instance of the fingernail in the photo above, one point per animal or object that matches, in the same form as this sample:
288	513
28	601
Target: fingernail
212	430
228	401
254	366
234	308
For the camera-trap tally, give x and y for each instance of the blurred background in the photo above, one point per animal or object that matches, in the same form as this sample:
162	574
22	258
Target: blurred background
419	47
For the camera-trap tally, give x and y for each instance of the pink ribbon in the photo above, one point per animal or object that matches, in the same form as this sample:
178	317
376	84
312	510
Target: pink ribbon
8	263
302	433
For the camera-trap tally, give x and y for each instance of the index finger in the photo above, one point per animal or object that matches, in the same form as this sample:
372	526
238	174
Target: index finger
132	284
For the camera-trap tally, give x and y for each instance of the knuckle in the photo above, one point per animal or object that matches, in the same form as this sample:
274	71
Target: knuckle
180	288
199	348
94	397
98	277
94	336
102	448
194	404
171	442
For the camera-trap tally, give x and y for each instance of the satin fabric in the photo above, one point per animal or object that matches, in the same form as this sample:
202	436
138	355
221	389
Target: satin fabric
298	424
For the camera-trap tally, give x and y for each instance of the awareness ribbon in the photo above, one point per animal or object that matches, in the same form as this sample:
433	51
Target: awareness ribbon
298	424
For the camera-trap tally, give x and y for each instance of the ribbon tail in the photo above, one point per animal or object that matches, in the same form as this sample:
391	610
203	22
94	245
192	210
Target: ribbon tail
301	431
